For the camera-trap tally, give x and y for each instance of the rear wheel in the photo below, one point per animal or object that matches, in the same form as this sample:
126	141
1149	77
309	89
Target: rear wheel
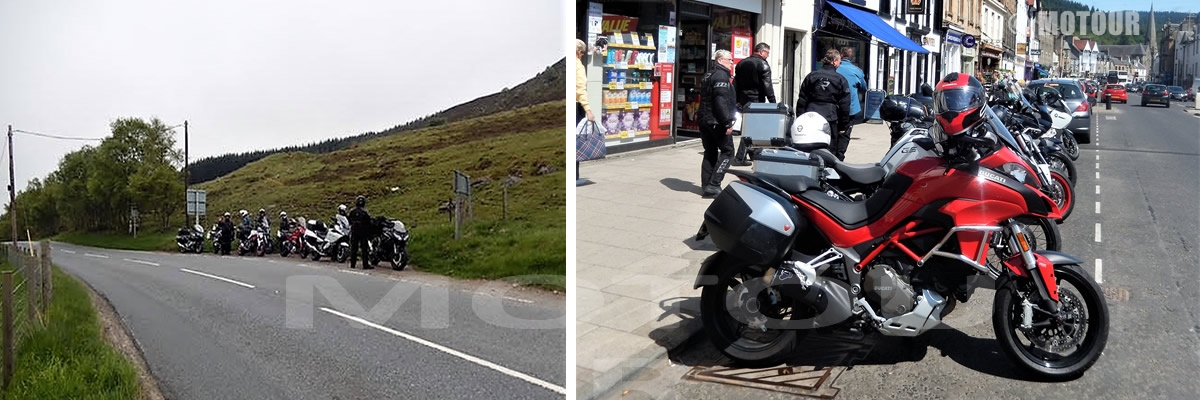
746	338
1060	346
1070	145
1061	162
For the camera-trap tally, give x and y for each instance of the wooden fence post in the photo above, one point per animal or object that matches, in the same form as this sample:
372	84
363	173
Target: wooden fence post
6	320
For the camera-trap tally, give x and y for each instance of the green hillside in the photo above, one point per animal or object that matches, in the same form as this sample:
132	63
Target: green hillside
408	176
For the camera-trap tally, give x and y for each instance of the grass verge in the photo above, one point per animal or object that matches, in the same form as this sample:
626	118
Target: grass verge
148	241
69	359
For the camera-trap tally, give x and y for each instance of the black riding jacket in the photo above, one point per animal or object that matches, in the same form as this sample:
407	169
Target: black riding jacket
753	81
360	221
717	100
826	92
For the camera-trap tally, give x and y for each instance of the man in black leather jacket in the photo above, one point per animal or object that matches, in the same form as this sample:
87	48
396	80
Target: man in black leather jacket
752	80
826	92
717	107
360	231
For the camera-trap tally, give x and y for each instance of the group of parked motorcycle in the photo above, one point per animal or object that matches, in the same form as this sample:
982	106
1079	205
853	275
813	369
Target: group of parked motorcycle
969	195
304	237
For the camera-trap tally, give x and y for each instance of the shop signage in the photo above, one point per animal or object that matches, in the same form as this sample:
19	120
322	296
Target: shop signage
968	41
954	37
916	7
1035	52
618	24
1021	48
728	20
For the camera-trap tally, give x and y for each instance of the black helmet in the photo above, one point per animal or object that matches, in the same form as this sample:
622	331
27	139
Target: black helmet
360	201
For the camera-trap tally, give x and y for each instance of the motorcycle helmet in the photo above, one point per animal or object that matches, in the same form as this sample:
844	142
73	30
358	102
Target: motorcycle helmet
227	214
342	209
262	212
283	214
810	131
958	103
243	213
360	201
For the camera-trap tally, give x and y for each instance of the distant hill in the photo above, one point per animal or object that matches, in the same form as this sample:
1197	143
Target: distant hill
1160	18
546	86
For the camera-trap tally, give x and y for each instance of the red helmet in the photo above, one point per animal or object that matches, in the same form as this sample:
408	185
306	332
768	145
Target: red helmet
958	103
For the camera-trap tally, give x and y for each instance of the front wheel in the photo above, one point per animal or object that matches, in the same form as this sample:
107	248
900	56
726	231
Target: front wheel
1062	163
1062	193
1057	347
1070	144
399	258
343	254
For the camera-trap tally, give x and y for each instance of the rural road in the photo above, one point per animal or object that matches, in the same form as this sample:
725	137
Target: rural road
241	327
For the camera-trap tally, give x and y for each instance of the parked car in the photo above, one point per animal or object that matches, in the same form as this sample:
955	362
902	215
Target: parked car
1157	94
1177	93
1117	92
1072	92
1133	88
1091	90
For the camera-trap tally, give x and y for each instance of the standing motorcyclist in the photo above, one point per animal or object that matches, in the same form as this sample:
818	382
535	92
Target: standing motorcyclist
225	233
360	231
244	232
340	219
263	221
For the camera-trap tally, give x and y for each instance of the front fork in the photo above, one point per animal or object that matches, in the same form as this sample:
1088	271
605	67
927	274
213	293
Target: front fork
1036	267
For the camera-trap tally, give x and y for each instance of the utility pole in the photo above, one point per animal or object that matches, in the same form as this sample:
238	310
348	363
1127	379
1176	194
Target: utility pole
186	174
12	190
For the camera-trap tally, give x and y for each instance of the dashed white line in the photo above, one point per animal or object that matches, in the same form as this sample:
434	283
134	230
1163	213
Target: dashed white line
1097	175
1097	232
1097	189
1099	271
69	251
1097	157
1097	165
142	262
354	272
1097	207
217	278
95	255
456	353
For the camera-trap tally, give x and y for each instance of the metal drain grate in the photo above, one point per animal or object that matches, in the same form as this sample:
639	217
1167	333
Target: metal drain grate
817	366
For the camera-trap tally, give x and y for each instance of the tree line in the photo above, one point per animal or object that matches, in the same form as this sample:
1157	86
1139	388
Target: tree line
96	187
1161	18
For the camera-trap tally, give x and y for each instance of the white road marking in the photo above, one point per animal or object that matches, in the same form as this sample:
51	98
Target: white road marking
1097	175
217	278
1097	165
354	272
456	353
69	251
1097	157
1099	271
95	255
518	300
271	261
1097	207
1097	189
1097	232
142	262
1110	117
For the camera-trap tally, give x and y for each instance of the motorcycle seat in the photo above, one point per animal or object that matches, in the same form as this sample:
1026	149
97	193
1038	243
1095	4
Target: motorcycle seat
865	174
856	214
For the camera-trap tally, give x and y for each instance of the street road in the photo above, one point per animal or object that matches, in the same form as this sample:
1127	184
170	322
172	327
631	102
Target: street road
249	328
1136	225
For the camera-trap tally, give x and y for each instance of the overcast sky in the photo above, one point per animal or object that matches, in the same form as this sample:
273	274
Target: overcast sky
256	74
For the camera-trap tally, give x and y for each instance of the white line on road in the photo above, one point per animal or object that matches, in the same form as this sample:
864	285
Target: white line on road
1097	189
217	277
142	262
1099	271
518	300
1110	117
354	272
1097	207
1097	165
1097	232
69	251
456	353
95	255
1097	157
1097	175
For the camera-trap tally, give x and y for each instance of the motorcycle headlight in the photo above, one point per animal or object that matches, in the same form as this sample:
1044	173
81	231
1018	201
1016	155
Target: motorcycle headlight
1020	173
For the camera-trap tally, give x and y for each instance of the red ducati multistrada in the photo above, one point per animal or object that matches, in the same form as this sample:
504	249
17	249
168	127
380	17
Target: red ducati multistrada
793	259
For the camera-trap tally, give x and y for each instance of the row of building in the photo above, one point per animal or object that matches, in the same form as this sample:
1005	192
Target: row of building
645	79
1178	54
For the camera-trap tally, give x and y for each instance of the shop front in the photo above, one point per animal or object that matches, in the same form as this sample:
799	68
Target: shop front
649	59
989	61
952	52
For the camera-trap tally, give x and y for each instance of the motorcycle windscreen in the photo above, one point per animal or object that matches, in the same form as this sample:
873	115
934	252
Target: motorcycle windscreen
752	224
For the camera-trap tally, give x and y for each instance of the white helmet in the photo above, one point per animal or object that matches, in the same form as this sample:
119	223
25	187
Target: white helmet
342	209
283	213
810	131
243	213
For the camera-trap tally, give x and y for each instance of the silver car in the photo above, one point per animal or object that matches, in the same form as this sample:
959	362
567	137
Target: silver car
1073	94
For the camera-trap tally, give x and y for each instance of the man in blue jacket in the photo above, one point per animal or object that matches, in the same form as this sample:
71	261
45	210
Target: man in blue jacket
858	89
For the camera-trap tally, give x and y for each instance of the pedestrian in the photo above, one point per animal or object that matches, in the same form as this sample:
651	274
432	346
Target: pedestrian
752	80
582	108
717	106
360	231
826	92
858	90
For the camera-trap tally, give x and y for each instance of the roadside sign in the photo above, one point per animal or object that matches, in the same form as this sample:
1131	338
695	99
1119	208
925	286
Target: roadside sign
197	201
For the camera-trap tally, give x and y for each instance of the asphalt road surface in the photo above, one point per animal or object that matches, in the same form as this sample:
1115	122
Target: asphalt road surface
265	328
1136	225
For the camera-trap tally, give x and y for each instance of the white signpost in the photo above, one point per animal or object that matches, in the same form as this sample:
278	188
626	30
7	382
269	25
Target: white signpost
196	203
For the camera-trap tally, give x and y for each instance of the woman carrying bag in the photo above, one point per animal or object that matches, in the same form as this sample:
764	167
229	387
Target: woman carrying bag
589	140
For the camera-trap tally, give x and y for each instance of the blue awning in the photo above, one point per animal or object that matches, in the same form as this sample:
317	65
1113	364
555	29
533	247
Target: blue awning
879	29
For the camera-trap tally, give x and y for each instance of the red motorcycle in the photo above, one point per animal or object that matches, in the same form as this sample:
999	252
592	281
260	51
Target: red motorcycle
792	258
292	242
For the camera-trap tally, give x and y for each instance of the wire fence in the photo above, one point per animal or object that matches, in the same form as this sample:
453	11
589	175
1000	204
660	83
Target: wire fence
25	291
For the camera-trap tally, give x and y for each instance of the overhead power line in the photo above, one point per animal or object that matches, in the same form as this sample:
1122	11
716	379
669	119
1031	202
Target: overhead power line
46	135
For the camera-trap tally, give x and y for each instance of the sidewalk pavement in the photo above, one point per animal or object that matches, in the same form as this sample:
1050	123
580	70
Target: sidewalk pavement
637	259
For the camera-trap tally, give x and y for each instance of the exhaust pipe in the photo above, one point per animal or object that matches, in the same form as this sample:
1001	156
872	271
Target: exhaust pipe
831	298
